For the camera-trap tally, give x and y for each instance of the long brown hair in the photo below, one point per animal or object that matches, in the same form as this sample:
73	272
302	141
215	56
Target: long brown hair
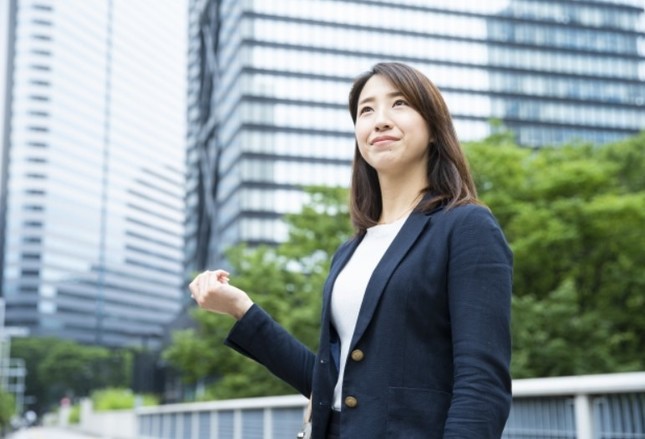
447	171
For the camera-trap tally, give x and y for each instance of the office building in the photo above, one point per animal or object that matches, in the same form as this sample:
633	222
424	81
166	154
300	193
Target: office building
268	84
92	172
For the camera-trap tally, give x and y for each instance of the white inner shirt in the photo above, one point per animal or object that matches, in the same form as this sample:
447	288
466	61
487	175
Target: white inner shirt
349	289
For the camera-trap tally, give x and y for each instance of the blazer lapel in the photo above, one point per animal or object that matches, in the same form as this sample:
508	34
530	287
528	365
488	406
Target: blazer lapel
384	269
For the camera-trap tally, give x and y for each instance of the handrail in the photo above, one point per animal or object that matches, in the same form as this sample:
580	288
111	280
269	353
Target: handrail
228	404
582	384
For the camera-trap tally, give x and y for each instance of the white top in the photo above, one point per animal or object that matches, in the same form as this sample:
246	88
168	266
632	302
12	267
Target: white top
349	289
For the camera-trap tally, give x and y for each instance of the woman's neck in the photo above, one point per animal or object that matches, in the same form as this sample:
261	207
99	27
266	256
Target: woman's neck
399	200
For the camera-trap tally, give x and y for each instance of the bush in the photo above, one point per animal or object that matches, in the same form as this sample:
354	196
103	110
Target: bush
119	399
75	414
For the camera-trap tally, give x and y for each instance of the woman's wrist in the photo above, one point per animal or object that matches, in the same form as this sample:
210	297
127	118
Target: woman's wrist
242	307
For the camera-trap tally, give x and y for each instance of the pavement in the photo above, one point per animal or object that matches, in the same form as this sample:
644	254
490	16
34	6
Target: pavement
48	433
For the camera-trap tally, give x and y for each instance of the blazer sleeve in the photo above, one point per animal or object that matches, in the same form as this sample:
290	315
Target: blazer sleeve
257	336
479	289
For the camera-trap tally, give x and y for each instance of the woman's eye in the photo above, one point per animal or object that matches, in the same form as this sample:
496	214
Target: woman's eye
364	110
400	102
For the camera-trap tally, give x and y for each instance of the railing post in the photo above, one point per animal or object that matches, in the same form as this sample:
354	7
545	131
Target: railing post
584	418
237	424
268	423
214	424
165	425
195	424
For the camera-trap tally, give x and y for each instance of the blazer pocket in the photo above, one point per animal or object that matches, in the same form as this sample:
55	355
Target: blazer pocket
416	413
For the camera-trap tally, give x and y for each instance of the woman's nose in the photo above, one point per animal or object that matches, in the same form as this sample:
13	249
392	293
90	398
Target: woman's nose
382	121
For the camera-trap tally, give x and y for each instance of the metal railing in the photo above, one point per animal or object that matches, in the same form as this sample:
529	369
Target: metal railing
581	407
263	418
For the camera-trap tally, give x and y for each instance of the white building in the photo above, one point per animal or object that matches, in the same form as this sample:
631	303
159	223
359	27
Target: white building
92	167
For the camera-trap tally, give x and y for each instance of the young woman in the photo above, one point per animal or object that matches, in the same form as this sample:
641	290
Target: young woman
415	336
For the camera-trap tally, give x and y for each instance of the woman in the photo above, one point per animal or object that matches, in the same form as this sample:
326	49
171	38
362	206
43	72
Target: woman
415	339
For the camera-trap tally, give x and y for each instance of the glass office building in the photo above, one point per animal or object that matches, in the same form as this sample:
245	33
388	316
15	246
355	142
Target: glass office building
93	174
268	85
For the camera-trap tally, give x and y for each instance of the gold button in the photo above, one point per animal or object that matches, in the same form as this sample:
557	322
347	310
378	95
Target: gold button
357	355
351	402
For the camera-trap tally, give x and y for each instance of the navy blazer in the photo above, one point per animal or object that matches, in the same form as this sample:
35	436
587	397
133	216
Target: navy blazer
431	350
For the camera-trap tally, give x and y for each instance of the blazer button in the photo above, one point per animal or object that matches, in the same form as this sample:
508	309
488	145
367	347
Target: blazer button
351	402
357	355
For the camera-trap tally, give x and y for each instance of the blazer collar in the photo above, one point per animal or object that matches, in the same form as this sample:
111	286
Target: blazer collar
406	237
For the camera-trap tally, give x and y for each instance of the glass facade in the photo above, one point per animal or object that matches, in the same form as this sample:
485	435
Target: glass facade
94	208
268	84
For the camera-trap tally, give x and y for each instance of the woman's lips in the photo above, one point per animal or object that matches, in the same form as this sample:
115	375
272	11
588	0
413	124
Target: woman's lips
383	140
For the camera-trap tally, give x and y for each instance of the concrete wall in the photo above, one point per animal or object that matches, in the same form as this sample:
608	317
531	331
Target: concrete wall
114	424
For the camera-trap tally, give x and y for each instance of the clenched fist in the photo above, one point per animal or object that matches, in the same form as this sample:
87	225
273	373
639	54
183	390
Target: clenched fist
212	292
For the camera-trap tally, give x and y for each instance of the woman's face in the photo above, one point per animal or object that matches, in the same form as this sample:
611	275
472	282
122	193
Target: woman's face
392	137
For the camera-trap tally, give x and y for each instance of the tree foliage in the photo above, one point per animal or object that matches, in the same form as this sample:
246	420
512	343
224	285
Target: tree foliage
574	216
58	368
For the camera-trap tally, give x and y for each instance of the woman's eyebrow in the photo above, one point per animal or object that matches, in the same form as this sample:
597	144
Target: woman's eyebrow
394	94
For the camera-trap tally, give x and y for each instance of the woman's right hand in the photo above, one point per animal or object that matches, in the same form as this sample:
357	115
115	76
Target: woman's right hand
212	292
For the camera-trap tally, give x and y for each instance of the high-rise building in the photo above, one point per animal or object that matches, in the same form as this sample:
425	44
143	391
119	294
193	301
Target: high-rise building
92	172
268	84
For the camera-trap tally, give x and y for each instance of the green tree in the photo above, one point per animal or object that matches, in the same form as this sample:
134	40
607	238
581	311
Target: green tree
32	350
286	280
57	368
574	216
